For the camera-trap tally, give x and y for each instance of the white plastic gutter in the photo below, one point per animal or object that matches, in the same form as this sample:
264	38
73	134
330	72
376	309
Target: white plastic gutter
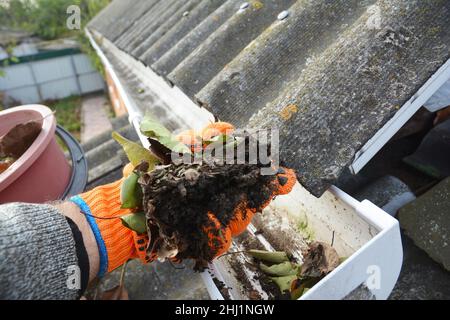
134	114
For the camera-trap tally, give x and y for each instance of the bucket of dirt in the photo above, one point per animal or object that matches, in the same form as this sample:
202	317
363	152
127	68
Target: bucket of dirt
34	168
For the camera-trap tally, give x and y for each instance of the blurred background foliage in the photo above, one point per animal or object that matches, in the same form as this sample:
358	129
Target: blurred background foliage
46	19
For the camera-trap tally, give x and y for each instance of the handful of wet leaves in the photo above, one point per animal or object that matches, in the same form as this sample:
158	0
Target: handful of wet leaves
293	278
184	206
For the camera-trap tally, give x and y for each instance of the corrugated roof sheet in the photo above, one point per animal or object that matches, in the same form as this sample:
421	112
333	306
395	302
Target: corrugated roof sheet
328	73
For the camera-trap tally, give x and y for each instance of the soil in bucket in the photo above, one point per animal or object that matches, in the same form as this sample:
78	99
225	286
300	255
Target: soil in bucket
16	141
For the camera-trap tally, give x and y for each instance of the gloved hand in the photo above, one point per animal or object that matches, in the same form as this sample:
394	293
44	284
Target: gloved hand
117	244
243	214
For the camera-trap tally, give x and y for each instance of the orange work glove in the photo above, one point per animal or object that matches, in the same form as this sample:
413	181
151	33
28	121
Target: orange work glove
284	183
243	215
117	244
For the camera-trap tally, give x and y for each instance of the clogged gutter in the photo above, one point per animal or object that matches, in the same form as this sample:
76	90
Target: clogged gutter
267	274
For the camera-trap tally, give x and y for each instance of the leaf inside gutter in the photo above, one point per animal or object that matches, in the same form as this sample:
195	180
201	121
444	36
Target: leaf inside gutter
283	269
284	283
274	257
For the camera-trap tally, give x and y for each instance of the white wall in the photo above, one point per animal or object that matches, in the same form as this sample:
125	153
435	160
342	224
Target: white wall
55	78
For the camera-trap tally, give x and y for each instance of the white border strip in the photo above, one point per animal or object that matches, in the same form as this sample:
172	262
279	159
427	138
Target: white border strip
134	115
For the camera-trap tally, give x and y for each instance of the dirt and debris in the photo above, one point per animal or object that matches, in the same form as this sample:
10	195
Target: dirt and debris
278	230
224	290
248	242
16	141
247	288
184	202
279	280
117	293
319	260
19	138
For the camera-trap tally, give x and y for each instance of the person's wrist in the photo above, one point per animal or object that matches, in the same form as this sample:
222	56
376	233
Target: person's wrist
72	211
116	243
90	214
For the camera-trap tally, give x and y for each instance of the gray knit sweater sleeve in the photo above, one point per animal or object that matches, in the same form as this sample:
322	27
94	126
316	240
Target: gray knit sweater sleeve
37	253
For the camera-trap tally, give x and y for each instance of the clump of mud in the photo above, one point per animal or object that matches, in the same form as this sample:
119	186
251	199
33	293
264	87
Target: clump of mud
179	197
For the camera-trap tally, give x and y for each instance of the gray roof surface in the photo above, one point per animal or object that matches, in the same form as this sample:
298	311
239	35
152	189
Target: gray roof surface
329	75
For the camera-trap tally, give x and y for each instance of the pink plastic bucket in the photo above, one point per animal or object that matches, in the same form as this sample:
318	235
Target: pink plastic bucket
42	173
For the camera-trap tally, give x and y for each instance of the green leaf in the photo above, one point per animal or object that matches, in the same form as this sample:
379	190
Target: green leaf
154	129
282	269
284	283
135	152
135	222
274	257
131	192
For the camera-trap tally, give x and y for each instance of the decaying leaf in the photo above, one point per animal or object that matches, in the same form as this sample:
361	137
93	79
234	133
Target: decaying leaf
284	283
135	221
163	153
155	130
320	260
17	140
282	269
274	257
135	152
131	192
